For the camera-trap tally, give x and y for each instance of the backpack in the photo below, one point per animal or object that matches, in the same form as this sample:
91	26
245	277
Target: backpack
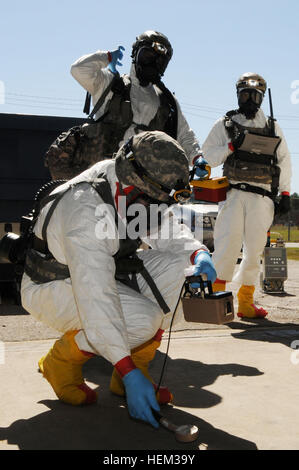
74	150
80	147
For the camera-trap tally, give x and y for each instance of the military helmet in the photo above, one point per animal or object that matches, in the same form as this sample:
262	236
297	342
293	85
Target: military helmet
156	164
251	80
152	39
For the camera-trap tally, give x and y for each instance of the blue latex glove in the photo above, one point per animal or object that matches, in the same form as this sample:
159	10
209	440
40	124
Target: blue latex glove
199	166
140	395
116	56
203	264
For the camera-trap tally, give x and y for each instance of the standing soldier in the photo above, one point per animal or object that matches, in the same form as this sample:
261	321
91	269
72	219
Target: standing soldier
131	103
257	163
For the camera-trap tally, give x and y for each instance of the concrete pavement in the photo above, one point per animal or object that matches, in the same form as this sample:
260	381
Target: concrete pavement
238	383
240	387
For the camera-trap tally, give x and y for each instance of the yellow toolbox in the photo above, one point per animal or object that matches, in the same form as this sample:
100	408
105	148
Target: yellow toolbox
211	189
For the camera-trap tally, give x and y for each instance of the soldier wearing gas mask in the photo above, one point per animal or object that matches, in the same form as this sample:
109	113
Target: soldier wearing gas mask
86	278
256	161
133	102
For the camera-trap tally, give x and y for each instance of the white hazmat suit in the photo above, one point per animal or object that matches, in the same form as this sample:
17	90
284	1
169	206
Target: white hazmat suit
245	217
92	73
112	318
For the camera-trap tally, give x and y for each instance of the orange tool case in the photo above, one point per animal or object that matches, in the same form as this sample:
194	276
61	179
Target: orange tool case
211	189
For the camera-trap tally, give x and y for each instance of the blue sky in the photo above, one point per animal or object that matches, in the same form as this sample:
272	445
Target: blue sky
214	43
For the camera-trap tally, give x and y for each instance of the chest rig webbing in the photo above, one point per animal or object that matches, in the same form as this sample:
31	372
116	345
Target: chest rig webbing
118	116
42	267
251	166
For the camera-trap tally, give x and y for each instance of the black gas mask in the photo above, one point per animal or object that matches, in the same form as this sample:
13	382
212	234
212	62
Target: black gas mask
151	62
249	100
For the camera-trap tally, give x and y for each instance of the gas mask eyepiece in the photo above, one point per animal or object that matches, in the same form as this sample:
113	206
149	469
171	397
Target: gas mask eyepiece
151	62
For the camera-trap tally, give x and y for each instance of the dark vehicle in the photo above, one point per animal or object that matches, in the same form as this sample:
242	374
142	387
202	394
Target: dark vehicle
24	140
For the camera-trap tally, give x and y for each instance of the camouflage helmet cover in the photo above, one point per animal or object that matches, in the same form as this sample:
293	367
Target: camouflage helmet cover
162	158
252	80
149	37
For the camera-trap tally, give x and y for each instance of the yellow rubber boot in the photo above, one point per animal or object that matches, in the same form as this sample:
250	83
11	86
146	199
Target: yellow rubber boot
62	367
246	307
218	285
142	356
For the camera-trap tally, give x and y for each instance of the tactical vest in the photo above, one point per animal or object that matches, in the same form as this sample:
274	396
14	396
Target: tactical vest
249	165
118	116
42	267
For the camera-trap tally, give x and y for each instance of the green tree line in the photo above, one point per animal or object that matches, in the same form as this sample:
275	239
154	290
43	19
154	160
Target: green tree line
292	218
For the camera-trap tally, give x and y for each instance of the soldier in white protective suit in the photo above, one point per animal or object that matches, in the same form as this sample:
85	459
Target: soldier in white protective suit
128	104
91	284
256	161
